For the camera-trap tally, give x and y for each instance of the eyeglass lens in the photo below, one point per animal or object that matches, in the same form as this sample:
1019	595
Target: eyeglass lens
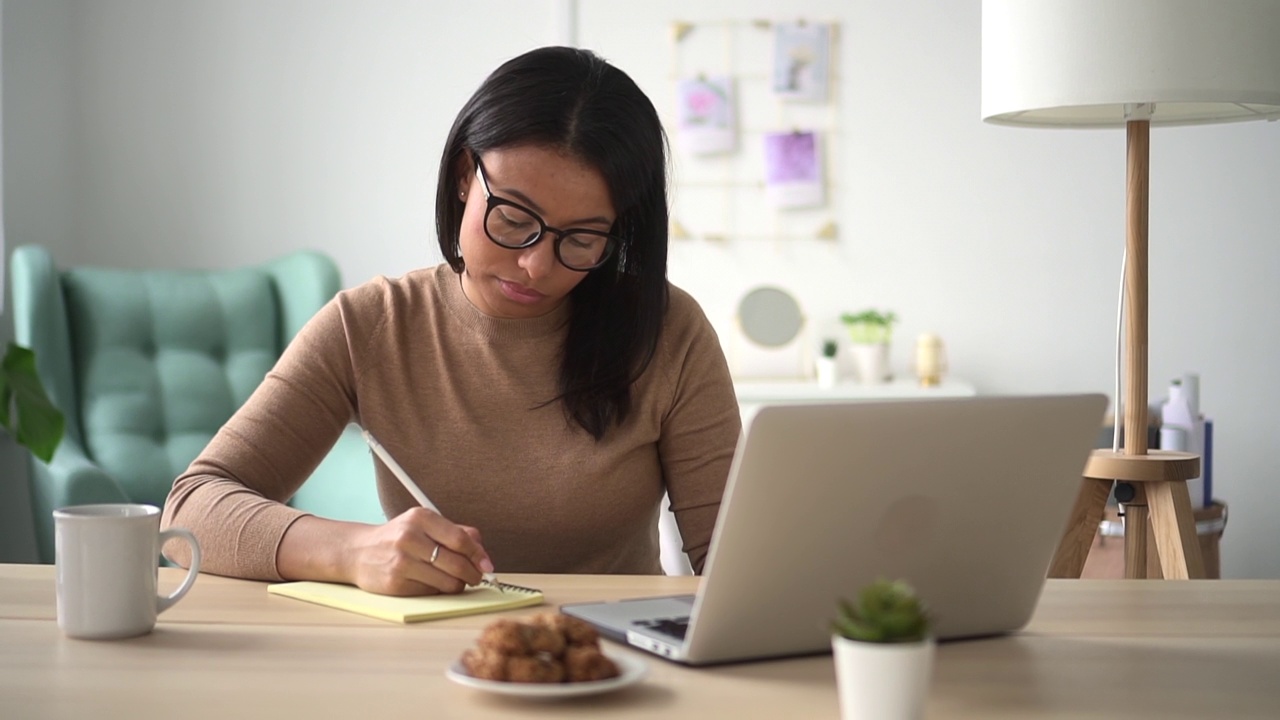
514	227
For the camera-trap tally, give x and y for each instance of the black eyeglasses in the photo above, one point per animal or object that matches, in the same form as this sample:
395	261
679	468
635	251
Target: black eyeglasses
515	226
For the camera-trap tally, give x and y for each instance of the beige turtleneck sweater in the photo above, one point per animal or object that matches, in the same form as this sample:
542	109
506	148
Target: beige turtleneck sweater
457	398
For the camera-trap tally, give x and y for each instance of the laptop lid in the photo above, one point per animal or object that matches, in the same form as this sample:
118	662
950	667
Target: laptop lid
964	498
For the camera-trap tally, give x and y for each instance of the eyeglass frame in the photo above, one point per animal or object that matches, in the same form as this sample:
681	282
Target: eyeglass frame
492	201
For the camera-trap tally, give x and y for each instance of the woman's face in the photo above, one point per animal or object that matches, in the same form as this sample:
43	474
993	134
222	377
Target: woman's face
527	282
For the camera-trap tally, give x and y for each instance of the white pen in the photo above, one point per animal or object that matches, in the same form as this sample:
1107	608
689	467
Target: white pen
488	578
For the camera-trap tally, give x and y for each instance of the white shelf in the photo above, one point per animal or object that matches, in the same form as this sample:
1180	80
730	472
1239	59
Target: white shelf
752	394
759	392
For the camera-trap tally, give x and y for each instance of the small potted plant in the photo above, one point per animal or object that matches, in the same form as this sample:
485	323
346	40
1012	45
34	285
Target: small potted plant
825	364
871	333
883	648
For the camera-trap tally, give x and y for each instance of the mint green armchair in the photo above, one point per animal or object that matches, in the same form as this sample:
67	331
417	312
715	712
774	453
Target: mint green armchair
148	364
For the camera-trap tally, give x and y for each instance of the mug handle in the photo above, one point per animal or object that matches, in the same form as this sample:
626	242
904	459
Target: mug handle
165	602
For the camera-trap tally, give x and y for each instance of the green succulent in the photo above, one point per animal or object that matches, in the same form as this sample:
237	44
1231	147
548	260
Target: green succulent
870	326
26	411
829	348
886	612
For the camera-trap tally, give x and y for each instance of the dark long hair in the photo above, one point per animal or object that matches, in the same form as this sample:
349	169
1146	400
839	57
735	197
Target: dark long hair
572	100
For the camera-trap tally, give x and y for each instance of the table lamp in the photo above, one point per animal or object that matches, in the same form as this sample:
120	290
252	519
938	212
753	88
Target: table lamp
1132	64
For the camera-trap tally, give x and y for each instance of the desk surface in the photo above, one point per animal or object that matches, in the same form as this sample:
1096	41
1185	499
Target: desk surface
1095	648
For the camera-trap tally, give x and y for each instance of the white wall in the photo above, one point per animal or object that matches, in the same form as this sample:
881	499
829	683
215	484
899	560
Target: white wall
151	133
219	133
38	206
1007	242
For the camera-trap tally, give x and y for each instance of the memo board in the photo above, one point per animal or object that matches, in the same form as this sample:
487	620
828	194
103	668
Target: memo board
723	197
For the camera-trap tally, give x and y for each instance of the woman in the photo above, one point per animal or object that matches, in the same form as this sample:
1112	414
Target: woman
544	387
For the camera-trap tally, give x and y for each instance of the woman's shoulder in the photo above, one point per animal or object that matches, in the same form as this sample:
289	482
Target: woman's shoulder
685	326
385	304
383	292
689	350
682	308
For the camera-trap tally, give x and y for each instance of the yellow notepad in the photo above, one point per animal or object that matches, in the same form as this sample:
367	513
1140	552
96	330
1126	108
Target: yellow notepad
472	601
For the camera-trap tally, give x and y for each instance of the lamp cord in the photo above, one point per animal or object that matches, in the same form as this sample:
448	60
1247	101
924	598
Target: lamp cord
1115	423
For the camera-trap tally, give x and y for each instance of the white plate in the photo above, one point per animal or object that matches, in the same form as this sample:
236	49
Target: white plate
630	671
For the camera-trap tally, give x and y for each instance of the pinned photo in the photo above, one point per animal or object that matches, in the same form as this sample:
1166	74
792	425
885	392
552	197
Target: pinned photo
707	119
801	61
793	170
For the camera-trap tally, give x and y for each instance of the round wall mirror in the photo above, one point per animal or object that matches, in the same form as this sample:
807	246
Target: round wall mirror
770	316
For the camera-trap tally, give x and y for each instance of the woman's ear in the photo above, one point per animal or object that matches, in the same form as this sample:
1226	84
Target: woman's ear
464	170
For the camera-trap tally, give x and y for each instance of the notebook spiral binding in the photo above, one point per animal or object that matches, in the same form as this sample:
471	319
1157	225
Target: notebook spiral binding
509	586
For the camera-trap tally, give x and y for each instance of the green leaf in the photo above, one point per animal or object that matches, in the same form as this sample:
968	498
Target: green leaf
885	612
870	326
39	424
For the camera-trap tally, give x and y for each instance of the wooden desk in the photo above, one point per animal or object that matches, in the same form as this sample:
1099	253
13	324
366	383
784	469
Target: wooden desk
1095	648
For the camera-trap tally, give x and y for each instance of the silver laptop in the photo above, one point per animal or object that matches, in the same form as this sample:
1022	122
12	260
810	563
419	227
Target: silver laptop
964	498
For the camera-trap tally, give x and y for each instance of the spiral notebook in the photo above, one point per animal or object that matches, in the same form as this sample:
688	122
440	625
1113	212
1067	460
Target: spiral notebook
472	601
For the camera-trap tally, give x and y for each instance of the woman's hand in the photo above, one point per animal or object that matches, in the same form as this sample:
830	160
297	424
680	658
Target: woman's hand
418	552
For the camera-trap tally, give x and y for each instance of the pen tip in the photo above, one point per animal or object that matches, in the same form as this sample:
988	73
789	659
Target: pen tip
492	581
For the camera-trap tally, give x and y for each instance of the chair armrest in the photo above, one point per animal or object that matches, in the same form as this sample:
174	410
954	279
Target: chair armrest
70	479
344	486
40	323
305	280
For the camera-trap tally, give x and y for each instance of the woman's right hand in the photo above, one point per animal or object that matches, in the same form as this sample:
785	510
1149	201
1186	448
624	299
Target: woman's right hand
418	552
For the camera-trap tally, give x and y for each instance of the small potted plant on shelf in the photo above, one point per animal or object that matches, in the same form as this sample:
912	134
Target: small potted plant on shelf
883	648
825	364
870	334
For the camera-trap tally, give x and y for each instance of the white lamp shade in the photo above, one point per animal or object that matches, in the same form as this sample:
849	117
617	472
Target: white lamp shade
1088	63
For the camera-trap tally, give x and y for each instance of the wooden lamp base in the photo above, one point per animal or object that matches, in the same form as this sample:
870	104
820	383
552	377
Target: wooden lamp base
1157	482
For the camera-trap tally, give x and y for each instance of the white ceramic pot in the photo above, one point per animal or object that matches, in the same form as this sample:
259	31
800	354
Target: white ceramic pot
871	362
827	371
882	681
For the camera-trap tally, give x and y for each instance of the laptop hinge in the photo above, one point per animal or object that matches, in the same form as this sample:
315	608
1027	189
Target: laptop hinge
654	645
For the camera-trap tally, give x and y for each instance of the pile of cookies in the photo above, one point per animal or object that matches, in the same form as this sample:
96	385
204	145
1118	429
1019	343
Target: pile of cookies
543	648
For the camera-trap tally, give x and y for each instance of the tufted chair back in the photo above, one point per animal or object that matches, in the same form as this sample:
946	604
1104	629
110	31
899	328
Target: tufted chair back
148	364
160	360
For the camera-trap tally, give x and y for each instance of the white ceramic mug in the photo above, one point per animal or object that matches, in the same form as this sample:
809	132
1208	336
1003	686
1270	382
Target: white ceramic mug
108	559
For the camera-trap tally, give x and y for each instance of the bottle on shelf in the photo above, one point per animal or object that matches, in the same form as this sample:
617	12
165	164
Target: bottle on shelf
1182	428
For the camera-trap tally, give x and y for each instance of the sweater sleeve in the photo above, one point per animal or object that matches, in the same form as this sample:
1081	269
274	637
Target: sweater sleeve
701	428
232	495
